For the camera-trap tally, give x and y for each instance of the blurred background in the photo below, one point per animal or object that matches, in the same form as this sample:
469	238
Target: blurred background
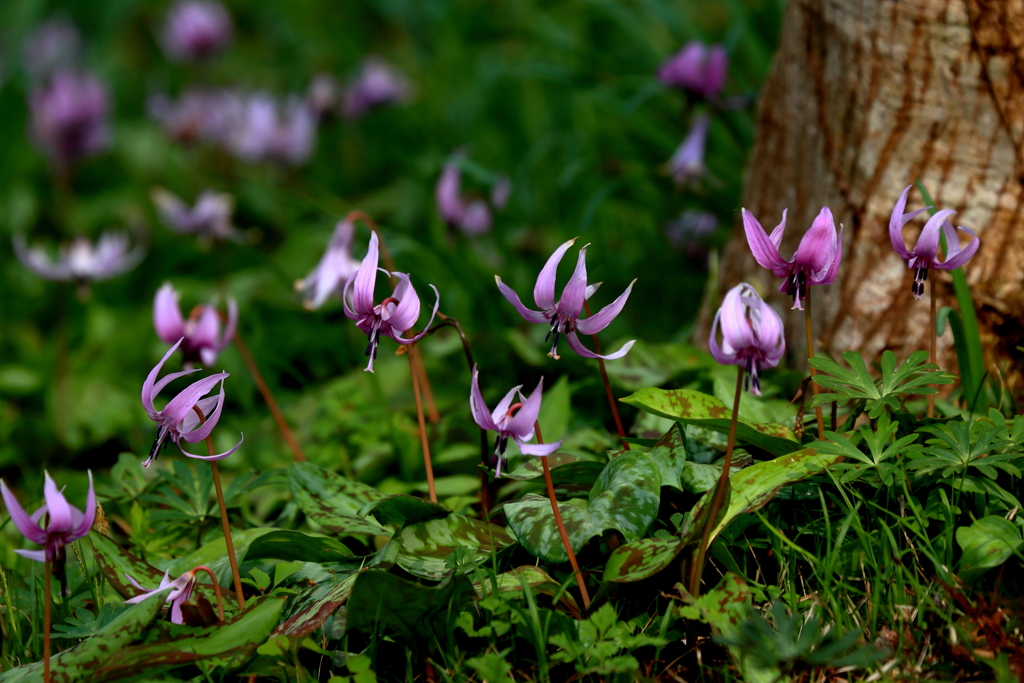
302	111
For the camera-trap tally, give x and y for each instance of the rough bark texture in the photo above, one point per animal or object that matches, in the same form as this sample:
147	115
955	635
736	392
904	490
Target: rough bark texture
865	97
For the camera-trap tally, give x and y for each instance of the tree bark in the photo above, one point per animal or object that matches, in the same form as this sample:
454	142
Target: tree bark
865	97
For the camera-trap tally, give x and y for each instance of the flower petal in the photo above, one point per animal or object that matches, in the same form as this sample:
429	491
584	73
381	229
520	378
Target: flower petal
522	423
896	224
426	328
219	456
571	301
21	519
583	352
200	432
89	514
150	388
504	404
477	406
538	448
765	252
167	320
179	406
817	247
510	295
955	259
57	506
833	270
927	249
37	555
723	357
602	318
737	333
364	279
544	288
407	311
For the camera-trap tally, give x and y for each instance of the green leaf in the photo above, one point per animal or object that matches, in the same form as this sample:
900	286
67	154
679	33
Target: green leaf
695	408
669	457
402	509
565	469
260	578
534	577
625	497
332	501
308	611
86	624
215	555
411	609
81	661
297	546
726	607
987	543
424	546
641	559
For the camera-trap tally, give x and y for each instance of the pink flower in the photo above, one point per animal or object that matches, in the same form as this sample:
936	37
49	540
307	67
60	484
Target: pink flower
687	163
69	117
696	67
181	591
62	523
210	217
196	30
377	84
816	261
925	253
336	268
81	261
200	336
752	334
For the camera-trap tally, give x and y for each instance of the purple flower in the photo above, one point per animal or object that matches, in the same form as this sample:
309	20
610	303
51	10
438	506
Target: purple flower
269	132
391	317
336	267
471	216
476	219
925	254
210	115
448	194
81	261
500	193
691	229
181	591
697	67
178	420
62	522
53	45
200	336
507	422
323	94
196	30
752	334
563	315
376	85
816	261
209	218
687	163
69	117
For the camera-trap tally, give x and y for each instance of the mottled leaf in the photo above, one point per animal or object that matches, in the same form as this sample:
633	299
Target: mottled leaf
297	546
726	607
565	469
332	501
641	559
693	407
79	662
402	509
625	497
535	577
309	611
987	543
215	555
424	546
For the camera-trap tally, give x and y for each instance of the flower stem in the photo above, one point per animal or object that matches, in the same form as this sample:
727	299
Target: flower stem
46	621
225	525
608	386
415	359
561	526
718	499
216	589
427	465
810	354
268	398
932	337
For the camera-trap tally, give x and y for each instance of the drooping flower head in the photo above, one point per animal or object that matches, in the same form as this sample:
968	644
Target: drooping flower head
563	316
687	163
179	420
392	316
200	337
81	261
698	68
336	268
816	261
181	591
210	218
199	114
510	420
471	216
196	30
925	253
377	84
61	522
69	117
752	334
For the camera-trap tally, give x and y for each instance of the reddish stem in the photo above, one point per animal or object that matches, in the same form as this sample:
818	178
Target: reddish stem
216	589
46	622
810	354
427	465
608	386
932	358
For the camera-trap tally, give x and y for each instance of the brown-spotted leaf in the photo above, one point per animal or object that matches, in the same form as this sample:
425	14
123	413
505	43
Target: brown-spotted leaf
641	559
332	501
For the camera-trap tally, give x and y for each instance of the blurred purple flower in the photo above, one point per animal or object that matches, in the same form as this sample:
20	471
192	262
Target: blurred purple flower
472	217
62	522
334	270
377	84
200	336
199	114
69	117
196	30
54	45
925	253
269	132
518	427
752	334
500	192
476	219
563	316
816	261
687	163
691	229
391	317
178	420
210	217
698	68
323	94
181	591
81	261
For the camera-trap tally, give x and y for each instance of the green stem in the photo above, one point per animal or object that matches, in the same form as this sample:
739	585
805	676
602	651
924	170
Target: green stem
932	338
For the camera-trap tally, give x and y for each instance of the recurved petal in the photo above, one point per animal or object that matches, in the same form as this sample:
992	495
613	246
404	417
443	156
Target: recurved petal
737	333
21	519
504	404
818	246
407	311
218	456
477	406
603	318
89	513
575	291
772	341
779	231
232	324
57	506
529	315
896	224
955	259
522	422
927	248
364	279
167	320
719	354
584	352
149	387
37	555
198	432
538	448
544	288
179	406
426	328
765	252
830	275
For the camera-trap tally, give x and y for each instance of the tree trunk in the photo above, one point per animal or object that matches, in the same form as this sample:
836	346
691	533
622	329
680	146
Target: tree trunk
866	97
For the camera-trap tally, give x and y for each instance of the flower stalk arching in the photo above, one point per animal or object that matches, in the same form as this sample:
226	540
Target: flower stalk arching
225	525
